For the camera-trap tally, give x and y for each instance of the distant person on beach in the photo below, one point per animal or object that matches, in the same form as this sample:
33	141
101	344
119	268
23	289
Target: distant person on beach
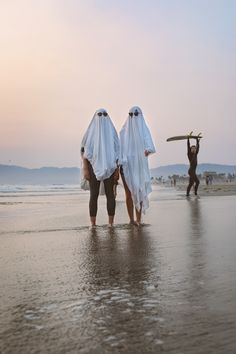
192	152
100	152
174	182
136	145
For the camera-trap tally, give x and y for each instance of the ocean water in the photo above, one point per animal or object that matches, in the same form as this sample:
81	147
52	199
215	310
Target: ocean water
37	189
169	286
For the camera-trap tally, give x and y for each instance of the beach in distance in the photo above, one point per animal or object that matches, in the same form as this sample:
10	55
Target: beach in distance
168	286
215	189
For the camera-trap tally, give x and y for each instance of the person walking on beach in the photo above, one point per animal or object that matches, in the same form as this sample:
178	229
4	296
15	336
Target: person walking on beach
192	152
100	150
136	144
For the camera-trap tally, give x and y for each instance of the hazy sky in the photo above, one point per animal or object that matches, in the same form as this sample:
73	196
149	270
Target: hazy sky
60	60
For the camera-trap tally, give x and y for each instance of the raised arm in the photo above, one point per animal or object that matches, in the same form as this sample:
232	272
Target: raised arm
188	146
198	145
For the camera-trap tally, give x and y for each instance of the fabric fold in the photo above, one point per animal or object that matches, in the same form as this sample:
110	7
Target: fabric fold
135	138
101	145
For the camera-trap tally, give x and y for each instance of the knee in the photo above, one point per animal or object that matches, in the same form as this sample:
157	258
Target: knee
94	196
109	194
111	198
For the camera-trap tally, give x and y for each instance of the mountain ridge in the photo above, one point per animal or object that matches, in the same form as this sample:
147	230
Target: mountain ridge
13	174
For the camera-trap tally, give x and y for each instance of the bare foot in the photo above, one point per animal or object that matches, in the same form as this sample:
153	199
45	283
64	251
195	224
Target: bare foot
92	227
135	223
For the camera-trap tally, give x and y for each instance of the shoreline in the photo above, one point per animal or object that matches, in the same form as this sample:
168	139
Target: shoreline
149	289
216	189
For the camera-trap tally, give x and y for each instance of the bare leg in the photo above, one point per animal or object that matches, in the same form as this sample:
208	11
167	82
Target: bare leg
129	201
138	215
110	220
93	220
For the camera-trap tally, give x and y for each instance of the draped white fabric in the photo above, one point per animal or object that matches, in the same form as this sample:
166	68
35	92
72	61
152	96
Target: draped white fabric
135	138
101	145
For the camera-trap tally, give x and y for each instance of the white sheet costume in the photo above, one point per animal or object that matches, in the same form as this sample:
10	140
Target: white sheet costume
101	145
135	138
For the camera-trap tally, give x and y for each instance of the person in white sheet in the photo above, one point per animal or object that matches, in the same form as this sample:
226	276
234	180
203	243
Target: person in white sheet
136	144
100	150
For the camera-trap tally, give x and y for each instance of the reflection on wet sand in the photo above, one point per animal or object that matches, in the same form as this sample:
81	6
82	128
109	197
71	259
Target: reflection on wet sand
126	299
197	247
168	286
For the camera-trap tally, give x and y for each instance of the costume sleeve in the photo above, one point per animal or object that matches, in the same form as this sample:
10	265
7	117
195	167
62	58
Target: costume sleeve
148	142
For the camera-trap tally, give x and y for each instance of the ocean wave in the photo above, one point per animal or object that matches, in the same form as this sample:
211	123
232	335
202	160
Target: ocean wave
52	188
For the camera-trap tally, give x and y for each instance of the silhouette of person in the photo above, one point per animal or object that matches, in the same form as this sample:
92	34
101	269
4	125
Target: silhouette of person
192	152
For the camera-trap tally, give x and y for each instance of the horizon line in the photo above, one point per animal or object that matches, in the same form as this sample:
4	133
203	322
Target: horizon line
151	168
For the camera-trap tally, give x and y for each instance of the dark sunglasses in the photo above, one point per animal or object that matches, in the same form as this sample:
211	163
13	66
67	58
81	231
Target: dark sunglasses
136	113
102	113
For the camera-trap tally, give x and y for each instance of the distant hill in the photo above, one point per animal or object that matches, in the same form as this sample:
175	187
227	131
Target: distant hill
70	175
44	175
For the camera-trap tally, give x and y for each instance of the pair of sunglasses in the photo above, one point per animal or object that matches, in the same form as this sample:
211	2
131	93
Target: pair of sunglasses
136	113
102	113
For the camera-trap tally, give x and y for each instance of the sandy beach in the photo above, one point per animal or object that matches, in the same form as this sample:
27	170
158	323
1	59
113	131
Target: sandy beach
216	189
169	286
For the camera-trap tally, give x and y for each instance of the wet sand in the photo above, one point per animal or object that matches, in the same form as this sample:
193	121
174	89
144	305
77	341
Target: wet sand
169	286
216	189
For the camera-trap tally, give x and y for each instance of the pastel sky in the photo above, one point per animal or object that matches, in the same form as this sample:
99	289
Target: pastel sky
62	59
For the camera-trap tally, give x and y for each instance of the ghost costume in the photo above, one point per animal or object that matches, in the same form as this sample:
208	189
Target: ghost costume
100	146
135	138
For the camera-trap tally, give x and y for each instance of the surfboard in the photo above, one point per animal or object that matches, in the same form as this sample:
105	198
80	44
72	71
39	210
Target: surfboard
184	137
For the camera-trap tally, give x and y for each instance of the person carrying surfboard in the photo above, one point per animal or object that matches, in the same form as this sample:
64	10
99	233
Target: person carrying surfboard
192	152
